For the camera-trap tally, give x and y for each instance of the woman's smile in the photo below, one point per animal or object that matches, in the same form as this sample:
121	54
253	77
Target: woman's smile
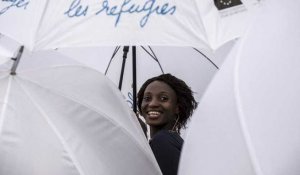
153	114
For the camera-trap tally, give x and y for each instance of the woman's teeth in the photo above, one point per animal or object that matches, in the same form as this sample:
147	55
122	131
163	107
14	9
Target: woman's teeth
153	113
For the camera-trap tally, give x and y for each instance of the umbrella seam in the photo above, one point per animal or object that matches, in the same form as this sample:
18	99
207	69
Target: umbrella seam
39	26
56	131
56	66
70	98
5	104
242	118
93	109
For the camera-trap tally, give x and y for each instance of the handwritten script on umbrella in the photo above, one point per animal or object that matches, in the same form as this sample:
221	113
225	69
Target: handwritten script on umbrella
110	8
147	8
13	3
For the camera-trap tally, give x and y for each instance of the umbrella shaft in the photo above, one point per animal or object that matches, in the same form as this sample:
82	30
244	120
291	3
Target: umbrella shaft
17	60
134	78
125	51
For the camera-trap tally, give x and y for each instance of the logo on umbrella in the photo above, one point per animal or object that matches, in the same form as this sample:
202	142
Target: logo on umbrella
223	4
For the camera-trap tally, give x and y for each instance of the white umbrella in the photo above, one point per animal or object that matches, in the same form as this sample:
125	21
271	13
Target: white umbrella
248	121
58	117
49	24
187	63
7	48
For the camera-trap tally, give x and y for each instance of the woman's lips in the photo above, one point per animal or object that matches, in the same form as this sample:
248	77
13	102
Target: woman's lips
153	114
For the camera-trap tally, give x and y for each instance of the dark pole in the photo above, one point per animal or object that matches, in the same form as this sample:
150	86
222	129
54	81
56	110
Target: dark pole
134	78
17	60
125	51
134	89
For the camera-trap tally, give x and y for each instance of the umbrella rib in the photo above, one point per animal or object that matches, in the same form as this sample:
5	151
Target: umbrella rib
207	58
40	22
56	131
5	103
154	57
91	108
113	55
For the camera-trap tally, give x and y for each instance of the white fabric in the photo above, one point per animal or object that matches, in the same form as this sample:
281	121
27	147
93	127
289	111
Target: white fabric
51	24
65	119
183	62
7	48
248	120
3	59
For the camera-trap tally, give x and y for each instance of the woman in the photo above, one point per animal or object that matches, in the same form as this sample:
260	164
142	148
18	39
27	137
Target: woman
166	103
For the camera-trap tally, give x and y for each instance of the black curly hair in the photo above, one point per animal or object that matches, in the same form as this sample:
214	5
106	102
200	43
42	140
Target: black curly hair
185	99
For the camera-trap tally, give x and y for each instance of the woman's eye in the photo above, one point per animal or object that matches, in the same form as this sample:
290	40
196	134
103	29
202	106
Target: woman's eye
146	98
164	98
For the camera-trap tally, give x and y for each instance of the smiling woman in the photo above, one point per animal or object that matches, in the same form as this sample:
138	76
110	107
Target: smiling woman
166	103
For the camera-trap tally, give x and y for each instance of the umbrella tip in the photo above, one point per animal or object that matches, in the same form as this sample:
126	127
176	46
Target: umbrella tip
16	61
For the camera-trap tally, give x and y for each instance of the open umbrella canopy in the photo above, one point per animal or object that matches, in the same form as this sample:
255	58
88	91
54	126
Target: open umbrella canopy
187	63
202	24
49	24
8	48
59	117
248	121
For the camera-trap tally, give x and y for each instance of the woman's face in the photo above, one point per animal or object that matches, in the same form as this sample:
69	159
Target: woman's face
159	105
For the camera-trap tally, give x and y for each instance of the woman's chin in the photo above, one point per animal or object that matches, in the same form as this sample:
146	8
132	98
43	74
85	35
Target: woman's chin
153	121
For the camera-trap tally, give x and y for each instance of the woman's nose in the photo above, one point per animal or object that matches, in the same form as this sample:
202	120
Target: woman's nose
153	102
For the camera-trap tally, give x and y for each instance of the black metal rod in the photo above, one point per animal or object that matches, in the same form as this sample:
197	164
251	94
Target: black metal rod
207	58
152	54
17	60
112	57
134	79
125	51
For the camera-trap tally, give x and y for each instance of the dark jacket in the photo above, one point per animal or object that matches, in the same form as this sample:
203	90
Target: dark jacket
166	146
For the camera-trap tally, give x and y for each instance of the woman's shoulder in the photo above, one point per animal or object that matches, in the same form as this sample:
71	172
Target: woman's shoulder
167	137
166	134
